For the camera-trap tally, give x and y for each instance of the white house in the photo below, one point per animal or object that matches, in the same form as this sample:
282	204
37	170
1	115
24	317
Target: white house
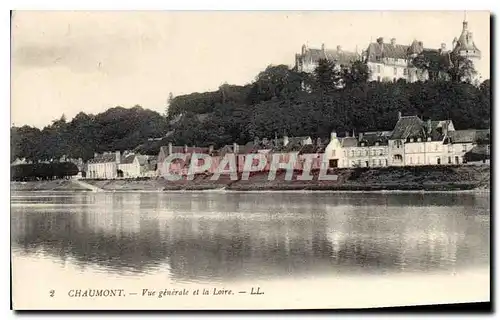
104	166
369	149
412	142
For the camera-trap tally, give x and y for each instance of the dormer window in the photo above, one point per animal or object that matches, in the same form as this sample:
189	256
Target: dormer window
411	140
376	143
362	144
429	139
419	139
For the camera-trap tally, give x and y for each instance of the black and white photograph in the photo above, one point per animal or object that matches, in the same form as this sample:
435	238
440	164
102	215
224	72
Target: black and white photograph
249	160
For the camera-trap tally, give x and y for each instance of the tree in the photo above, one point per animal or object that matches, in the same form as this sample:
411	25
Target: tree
276	82
327	76
461	69
169	102
355	75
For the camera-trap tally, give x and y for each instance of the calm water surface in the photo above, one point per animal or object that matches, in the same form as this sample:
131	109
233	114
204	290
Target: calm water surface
210	237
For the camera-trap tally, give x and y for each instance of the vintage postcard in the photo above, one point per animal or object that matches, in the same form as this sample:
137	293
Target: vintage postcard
181	160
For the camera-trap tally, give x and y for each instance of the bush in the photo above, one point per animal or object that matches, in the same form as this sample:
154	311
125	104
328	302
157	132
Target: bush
42	171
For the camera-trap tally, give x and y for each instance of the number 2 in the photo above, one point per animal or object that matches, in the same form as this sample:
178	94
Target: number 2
52	293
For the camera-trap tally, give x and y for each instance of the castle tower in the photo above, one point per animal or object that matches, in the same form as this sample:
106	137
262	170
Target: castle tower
465	46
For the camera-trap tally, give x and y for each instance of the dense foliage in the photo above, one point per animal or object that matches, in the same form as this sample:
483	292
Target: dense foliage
279	101
115	129
43	171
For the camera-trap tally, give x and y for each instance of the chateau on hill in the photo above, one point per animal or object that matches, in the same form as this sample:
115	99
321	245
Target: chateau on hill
390	61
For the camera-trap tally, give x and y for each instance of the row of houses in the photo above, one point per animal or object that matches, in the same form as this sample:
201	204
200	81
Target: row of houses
113	165
412	142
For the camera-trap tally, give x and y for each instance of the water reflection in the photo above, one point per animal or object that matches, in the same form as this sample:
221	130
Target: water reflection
212	236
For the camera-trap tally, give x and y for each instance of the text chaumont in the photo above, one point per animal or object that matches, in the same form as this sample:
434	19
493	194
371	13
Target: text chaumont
90	293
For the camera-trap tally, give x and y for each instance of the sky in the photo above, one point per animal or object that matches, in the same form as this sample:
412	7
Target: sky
68	62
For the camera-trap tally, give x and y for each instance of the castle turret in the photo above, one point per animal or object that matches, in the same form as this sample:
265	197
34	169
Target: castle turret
464	46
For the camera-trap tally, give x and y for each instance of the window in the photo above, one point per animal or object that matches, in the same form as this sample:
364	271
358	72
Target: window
438	160
411	160
398	143
411	140
395	71
436	147
381	151
374	162
457	160
376	143
419	139
378	78
373	152
366	152
352	153
428	138
359	153
333	153
449	160
378	69
405	71
464	148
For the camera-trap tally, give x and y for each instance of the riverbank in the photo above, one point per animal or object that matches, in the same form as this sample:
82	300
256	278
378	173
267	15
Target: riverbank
435	178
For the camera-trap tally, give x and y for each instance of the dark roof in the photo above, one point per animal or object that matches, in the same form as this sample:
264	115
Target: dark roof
465	41
371	138
341	57
408	127
103	158
469	136
179	149
377	51
349	142
127	159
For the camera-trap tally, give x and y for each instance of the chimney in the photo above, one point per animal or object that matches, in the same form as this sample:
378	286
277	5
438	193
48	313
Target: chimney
185	148
399	115
360	136
347	134
339	48
380	40
256	141
454	43
285	140
117	155
318	141
443	46
235	147
210	149
393	41
429	126
323	47
304	48
96	154
170	148
333	135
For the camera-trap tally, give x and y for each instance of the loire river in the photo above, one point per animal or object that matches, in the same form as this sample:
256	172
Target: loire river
215	239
